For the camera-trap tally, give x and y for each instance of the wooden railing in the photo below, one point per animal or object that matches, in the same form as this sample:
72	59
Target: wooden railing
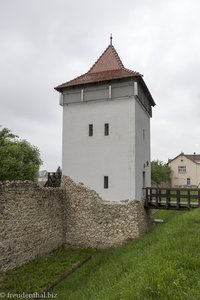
172	198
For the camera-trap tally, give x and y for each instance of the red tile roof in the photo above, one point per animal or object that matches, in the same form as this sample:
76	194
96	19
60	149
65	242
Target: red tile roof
109	60
108	67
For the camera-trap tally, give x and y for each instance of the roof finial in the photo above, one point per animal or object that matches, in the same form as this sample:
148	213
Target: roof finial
111	39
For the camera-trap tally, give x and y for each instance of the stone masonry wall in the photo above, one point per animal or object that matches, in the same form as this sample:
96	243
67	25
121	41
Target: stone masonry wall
35	220
31	222
92	222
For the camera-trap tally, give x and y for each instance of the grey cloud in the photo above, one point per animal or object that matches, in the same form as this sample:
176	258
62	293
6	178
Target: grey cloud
45	43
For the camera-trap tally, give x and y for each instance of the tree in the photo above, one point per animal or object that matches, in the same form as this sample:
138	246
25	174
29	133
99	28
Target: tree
19	160
160	172
6	136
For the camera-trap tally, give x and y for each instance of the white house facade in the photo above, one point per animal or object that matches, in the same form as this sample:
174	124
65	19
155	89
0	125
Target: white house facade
185	170
106	129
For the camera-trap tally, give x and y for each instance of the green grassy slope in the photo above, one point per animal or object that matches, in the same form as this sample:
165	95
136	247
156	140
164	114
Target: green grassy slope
36	275
163	264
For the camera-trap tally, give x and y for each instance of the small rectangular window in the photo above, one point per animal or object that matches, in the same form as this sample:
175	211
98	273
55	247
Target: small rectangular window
90	129
106	129
188	181
109	92
143	134
105	182
82	95
181	169
143	179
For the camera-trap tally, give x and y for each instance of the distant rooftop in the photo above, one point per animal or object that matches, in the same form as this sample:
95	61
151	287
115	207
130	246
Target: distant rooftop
193	157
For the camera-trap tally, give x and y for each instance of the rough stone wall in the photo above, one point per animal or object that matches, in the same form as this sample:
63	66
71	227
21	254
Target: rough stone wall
35	220
31	222
92	222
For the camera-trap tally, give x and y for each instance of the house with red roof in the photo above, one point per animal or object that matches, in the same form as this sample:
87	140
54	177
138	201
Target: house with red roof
185	170
106	129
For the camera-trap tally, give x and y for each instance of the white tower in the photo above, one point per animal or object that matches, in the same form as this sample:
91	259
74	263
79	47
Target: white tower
106	129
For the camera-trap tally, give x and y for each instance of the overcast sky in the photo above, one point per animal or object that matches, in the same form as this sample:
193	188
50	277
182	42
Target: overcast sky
44	43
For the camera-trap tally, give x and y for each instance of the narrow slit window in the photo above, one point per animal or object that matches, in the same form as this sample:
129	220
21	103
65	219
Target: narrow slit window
106	129
105	182
109	92
143	134
82	95
90	129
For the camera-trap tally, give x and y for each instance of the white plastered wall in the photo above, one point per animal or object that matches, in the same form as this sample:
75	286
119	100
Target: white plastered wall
142	150
88	159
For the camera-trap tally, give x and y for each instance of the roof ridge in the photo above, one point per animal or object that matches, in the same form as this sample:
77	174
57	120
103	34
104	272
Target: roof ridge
117	56
193	154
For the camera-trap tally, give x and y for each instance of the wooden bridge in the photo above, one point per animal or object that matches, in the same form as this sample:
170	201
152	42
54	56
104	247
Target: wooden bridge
172	198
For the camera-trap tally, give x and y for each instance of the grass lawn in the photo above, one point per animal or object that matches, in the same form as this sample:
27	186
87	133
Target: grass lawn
36	275
162	264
